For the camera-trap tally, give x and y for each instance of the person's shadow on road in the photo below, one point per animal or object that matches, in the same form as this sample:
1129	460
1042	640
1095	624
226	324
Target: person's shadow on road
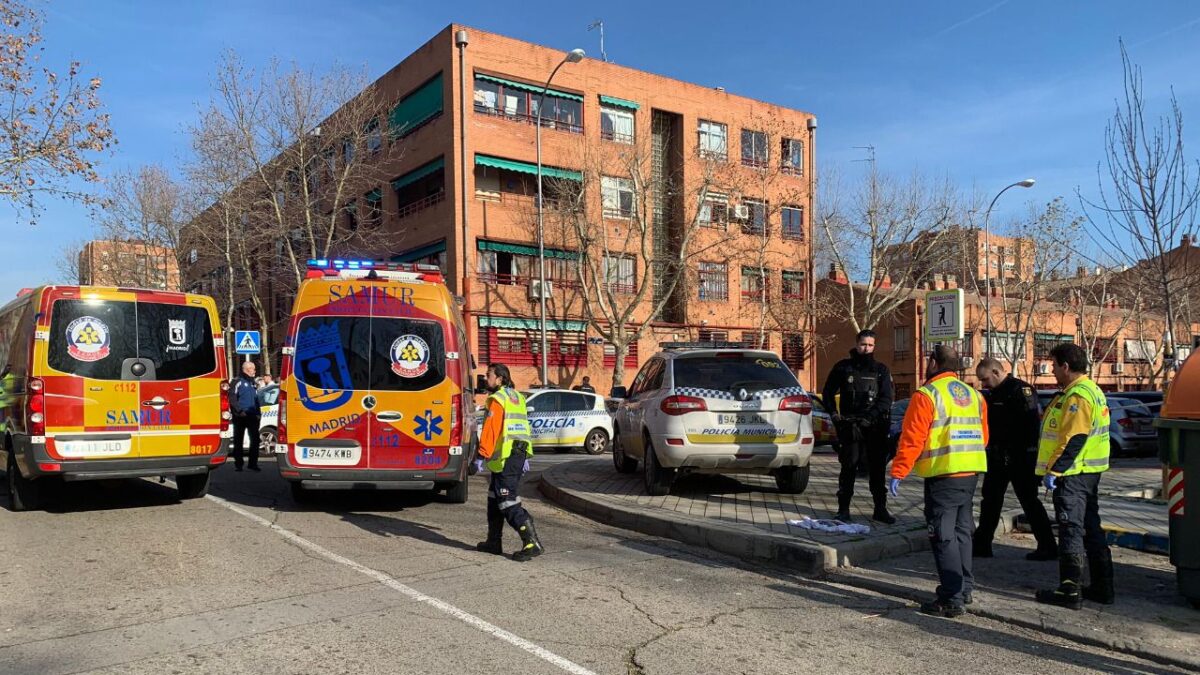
387	526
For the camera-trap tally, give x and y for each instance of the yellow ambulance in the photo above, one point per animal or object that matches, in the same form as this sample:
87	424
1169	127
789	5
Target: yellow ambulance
102	382
375	389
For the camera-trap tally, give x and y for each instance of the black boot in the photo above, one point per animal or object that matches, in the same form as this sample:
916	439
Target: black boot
494	535
531	546
1101	588
843	512
1070	570
881	513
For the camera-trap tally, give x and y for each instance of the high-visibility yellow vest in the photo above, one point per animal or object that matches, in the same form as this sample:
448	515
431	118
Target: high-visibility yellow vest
516	427
1093	458
955	443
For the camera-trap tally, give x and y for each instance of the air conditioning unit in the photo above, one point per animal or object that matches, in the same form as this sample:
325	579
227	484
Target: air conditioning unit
1042	369
536	292
741	212
1118	368
968	362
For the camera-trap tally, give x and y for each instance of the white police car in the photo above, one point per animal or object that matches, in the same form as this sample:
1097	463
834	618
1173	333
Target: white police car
268	406
714	408
564	420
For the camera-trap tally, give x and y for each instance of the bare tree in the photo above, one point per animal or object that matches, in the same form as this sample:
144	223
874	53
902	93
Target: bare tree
53	126
886	230
67	266
145	210
636	243
1148	198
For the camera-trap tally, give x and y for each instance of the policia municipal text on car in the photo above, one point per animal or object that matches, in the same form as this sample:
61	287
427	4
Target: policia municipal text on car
505	446
858	392
1072	454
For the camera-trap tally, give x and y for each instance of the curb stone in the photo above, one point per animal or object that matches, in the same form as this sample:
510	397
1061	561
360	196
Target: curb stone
1130	647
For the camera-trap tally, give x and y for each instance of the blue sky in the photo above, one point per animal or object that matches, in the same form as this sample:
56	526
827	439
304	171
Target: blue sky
986	92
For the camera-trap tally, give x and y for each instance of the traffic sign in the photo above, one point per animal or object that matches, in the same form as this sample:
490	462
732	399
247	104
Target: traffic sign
247	342
944	315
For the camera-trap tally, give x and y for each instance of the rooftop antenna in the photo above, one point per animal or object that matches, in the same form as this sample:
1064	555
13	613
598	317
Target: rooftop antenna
599	24
870	154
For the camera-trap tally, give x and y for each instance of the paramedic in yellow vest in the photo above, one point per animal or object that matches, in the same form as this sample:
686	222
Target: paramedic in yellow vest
1072	453
505	446
944	439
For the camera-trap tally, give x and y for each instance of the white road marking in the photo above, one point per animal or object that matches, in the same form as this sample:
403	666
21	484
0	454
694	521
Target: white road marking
414	594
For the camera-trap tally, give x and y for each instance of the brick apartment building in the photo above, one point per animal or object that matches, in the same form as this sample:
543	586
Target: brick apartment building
964	253
592	107
128	263
1124	346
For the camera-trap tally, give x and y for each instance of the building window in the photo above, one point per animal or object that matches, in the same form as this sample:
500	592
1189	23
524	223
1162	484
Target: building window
1044	342
193	256
714	281
793	222
522	347
754	284
616	197
374	136
754	148
631	356
348	152
374	204
793	156
420	188
519	265
754	339
616	124
714	212
712	335
793	350
794	283
351	210
902	341
754	217
1104	350
1009	346
1140	351
519	102
903	390
713	140
620	273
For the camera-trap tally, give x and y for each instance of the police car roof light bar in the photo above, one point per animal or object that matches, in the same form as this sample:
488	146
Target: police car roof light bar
679	346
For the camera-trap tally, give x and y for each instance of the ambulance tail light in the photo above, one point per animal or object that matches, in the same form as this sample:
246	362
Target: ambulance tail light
281	423
456	415
36	407
226	415
682	405
800	404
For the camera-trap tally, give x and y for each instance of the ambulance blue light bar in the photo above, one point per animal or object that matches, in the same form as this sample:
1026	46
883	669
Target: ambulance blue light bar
318	267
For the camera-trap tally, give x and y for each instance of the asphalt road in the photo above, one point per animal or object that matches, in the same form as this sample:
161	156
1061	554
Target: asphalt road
121	577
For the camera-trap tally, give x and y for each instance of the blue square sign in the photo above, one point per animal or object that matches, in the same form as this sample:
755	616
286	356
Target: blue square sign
247	342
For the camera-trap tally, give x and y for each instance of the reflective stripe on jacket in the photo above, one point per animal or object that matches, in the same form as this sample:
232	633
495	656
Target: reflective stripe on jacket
1085	398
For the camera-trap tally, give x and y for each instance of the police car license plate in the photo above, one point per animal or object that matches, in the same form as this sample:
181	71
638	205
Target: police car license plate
326	453
741	419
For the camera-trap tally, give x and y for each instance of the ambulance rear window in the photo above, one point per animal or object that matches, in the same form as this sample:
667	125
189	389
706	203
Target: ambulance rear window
93	338
359	352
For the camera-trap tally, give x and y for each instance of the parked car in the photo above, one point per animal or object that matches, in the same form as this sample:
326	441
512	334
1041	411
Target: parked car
897	419
268	406
824	433
1152	399
703	408
1130	431
564	420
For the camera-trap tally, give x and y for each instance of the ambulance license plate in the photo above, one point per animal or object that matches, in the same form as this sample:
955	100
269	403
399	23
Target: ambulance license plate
326	453
91	448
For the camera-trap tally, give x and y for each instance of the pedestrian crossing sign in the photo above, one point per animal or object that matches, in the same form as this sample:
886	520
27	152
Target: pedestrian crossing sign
247	342
944	315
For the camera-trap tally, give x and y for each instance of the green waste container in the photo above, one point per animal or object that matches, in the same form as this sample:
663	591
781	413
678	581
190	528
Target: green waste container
1179	450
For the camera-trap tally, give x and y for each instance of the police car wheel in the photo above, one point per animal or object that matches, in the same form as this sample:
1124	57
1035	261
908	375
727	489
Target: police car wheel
266	439
658	478
792	480
596	442
622	463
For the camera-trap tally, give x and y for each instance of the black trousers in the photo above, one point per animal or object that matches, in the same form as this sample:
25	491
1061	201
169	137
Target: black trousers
1013	466
1077	508
245	425
504	500
856	444
948	513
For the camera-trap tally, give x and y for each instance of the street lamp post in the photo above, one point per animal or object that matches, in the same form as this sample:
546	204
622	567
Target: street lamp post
573	56
987	265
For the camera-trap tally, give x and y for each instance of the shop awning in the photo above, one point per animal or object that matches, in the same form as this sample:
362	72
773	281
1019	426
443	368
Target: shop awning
524	249
420	106
421	252
525	167
619	102
520	323
418	173
534	88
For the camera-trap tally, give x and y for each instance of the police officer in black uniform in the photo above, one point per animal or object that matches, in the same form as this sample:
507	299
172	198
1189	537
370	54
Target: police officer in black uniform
861	416
1014	425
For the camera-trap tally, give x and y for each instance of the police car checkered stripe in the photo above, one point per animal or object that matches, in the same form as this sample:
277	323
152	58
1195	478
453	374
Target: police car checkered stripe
573	413
730	396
